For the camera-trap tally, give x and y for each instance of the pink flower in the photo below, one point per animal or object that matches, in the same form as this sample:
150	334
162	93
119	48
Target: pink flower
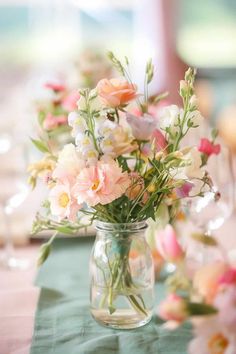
62	203
142	127
70	101
211	338
228	278
101	183
208	148
173	308
116	92
52	122
159	140
168	245
57	87
225	302
206	280
184	191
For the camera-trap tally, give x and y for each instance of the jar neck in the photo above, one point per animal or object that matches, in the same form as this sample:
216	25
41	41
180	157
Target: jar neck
135	227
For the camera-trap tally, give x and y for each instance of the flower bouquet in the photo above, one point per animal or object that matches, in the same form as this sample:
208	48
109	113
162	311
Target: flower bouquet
122	167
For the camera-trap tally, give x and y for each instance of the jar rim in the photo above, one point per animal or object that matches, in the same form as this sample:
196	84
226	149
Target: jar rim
122	227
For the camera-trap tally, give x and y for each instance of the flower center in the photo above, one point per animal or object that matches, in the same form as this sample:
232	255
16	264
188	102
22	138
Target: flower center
217	344
64	200
95	185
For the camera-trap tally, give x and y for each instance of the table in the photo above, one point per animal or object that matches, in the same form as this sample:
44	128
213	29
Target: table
63	322
18	300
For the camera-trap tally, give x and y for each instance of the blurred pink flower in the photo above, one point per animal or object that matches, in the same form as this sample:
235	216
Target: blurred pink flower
57	87
70	101
183	192
159	139
225	302
211	338
228	278
62	203
101	183
173	308
52	122
168	245
142	127
208	148
206	280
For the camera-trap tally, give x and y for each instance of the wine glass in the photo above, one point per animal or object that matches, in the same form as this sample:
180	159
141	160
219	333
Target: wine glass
13	192
210	212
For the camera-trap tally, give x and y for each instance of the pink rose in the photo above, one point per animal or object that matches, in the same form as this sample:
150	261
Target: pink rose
173	308
70	101
168	245
116	92
208	148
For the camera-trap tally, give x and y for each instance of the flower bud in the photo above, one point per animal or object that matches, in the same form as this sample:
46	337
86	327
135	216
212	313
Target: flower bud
183	87
173	308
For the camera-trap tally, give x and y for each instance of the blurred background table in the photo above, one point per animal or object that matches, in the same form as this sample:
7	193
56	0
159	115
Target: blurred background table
18	301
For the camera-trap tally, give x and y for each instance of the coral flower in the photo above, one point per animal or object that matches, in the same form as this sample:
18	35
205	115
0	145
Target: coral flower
116	92
101	183
208	148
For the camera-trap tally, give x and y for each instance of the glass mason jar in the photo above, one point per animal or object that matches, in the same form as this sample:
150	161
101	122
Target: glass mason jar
121	276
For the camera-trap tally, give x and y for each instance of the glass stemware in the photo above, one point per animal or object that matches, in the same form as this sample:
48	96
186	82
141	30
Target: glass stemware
13	192
210	212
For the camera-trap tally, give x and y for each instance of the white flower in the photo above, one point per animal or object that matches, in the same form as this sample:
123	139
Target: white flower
193	102
107	146
77	123
195	117
106	128
192	165
84	143
91	156
169	117
69	162
94	102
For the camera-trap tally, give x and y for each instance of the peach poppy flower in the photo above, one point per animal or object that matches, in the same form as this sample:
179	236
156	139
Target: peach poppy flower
116	92
62	203
206	280
101	183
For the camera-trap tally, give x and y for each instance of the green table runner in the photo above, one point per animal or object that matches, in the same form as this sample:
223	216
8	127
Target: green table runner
63	324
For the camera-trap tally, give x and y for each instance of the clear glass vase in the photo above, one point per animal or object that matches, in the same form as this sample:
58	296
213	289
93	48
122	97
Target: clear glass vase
121	276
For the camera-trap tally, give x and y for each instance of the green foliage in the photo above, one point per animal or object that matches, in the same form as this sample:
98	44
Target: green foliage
40	145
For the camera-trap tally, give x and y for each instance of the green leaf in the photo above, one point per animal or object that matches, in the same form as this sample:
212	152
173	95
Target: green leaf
41	117
44	252
65	230
198	309
205	239
111	309
40	145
